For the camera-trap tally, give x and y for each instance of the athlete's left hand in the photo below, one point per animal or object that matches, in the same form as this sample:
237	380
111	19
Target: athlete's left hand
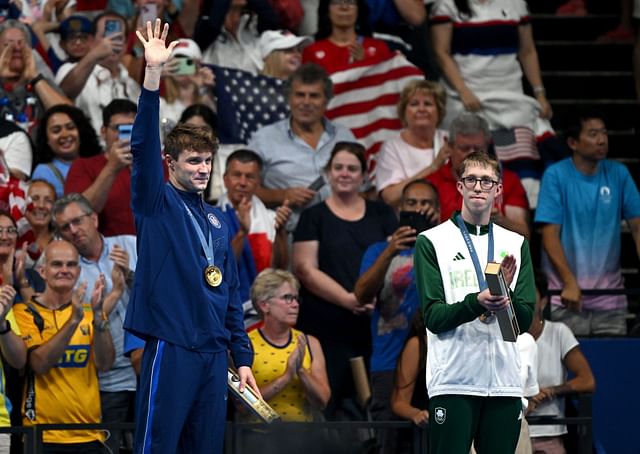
246	378
509	267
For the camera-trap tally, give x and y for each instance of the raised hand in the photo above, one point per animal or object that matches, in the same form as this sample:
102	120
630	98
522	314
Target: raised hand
77	299
243	211
120	257
118	279
156	53
402	239
283	212
294	362
356	52
96	294
21	259
7	294
509	267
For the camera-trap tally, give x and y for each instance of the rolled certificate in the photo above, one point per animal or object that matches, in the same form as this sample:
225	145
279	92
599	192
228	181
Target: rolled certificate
249	399
498	287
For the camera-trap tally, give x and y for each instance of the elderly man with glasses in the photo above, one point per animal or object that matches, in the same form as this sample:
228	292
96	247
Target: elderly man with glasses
468	133
114	258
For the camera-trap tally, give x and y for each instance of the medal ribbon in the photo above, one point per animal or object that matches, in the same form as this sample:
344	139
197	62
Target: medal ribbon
207	247
472	251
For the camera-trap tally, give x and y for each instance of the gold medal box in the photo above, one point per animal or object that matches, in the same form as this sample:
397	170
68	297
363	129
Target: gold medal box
250	400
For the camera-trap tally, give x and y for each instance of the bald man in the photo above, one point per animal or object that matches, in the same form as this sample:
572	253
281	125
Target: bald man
68	341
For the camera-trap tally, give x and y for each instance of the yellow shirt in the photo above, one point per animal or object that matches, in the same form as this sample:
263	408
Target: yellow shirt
270	362
5	404
69	391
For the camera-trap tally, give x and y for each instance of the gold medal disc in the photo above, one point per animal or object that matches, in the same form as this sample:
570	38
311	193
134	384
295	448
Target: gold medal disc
213	276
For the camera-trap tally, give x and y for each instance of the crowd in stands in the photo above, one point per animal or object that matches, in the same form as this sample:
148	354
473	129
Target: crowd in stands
323	230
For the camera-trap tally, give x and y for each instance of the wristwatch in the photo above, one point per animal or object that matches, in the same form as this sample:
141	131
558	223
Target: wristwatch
7	328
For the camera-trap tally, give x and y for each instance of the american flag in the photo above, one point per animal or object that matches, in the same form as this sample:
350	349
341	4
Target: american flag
246	102
14	200
515	143
365	98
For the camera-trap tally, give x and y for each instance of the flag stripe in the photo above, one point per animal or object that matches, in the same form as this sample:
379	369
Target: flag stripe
390	99
377	79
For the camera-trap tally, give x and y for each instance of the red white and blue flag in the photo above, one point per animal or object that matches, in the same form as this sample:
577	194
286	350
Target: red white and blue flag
365	98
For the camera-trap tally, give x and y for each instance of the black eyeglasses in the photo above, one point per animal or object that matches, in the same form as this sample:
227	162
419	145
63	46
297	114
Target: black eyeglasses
485	183
64	228
288	298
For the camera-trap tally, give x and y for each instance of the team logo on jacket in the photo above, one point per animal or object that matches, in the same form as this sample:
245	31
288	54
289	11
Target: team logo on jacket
441	415
214	220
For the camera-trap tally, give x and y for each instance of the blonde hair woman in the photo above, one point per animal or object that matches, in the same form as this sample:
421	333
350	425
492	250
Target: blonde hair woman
421	148
281	52
288	365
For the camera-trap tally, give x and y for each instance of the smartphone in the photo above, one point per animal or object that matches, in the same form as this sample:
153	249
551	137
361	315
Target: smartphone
317	183
414	220
148	13
186	66
124	132
112	26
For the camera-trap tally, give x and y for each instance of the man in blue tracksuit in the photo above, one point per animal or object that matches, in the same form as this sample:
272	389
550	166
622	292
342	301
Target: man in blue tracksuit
185	300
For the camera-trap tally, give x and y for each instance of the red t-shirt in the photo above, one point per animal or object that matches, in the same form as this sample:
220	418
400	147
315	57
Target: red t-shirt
334	58
451	200
116	218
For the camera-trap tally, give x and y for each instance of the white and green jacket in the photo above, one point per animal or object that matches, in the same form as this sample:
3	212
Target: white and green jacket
466	356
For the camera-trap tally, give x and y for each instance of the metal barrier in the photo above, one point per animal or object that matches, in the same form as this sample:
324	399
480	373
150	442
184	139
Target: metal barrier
583	420
318	432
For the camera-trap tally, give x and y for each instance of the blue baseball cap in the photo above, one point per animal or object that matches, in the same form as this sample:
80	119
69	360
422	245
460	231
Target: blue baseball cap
73	25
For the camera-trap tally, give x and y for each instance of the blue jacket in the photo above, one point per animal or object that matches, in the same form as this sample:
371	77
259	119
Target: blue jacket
170	299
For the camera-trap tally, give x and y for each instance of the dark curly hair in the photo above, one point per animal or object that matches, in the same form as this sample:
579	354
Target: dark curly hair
363	27
88	146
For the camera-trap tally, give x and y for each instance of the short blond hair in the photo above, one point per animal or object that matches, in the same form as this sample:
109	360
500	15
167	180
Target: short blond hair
428	87
267	283
272	66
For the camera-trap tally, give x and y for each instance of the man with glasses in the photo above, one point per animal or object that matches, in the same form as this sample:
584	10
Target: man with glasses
114	258
76	39
105	180
387	279
68	340
468	133
473	375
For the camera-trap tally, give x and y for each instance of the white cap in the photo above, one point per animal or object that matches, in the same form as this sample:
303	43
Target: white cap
187	48
271	40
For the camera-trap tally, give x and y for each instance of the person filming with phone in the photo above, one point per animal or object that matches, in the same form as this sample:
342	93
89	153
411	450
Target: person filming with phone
105	179
100	76
186	82
387	281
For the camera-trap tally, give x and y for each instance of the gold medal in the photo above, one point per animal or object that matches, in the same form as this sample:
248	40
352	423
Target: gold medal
487	317
213	275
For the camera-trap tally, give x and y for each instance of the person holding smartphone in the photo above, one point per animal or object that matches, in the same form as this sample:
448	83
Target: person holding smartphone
105	179
186	82
100	76
387	280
